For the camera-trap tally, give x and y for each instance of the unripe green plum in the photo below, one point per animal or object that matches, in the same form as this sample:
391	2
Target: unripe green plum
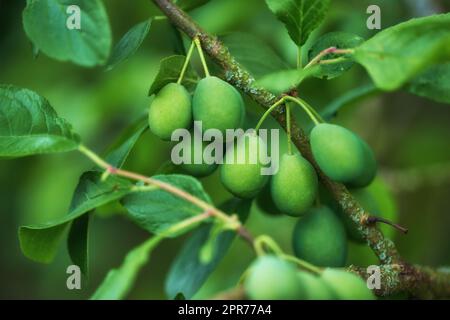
316	288
218	105
320	238
294	186
265	203
370	169
244	180
201	169
271	278
342	155
346	285
171	109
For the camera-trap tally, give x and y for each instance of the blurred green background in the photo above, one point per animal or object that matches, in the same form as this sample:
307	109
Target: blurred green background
410	136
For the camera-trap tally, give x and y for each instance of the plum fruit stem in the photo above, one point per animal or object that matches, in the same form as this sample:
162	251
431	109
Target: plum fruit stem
202	56
186	63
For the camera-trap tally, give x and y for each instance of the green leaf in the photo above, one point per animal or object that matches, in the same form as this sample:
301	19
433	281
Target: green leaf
29	125
92	192
340	40
120	150
77	242
433	84
397	54
282	81
41	245
157	210
40	242
252	53
118	282
46	25
169	71
301	17
129	44
190	4
349	97
188	273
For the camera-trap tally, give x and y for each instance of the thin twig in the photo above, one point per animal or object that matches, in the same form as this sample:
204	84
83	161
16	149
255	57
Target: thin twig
209	210
375	219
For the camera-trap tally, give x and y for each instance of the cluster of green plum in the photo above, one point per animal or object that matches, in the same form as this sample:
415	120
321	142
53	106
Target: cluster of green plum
320	236
342	155
273	278
219	105
215	103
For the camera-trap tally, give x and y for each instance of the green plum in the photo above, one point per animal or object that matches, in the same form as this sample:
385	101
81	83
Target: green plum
199	169
320	238
347	285
271	278
316	288
244	179
265	203
342	155
171	109
370	169
218	105
294	186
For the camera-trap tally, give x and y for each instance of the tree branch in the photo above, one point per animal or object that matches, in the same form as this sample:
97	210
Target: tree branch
243	80
418	281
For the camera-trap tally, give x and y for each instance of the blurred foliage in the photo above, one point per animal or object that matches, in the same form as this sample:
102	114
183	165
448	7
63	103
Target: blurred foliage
405	131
